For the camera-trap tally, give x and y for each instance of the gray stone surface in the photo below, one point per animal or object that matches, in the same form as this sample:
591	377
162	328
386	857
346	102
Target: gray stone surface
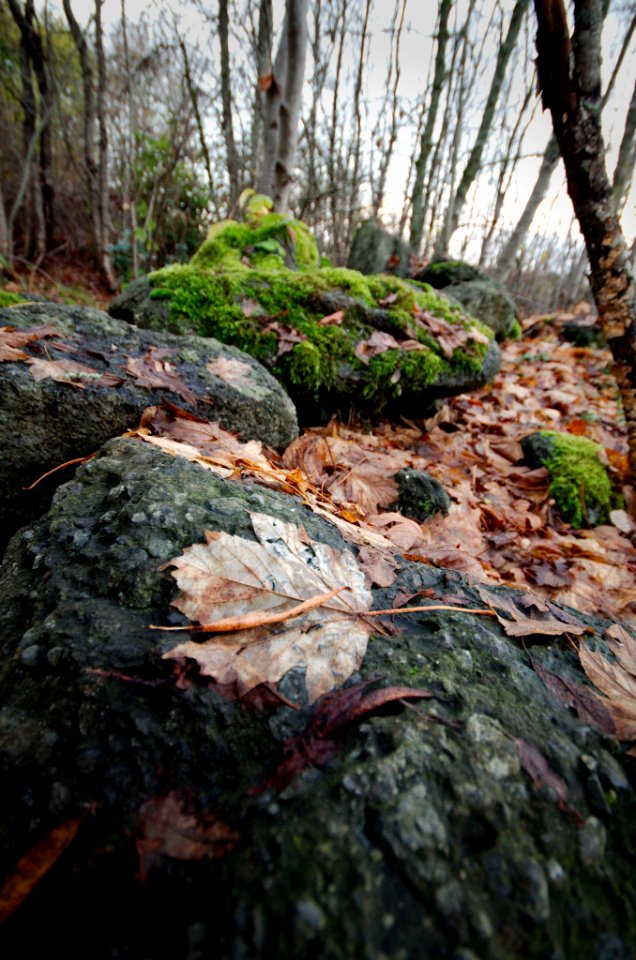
489	302
44	423
375	249
422	836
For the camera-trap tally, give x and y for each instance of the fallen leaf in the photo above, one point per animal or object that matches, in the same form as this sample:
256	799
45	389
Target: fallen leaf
235	372
153	371
230	576
34	865
378	342
616	680
589	707
321	740
543	776
519	624
287	336
172	826
11	340
70	372
332	319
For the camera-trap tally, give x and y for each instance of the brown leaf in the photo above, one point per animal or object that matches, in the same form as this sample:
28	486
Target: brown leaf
321	740
543	776
332	319
172	826
72	373
379	569
378	342
616	681
11	340
34	865
589	706
521	625
153	371
266	81
288	337
230	576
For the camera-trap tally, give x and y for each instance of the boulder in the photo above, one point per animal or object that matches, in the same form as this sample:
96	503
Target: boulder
479	294
421	496
72	410
486	820
375	249
334	338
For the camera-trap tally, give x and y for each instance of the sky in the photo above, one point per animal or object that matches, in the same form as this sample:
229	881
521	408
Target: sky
415	54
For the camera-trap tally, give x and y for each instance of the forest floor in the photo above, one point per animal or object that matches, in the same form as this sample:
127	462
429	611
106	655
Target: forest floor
502	525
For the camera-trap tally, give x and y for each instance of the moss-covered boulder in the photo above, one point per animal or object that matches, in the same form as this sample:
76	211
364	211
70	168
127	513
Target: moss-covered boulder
487	822
87	377
479	294
333	337
579	481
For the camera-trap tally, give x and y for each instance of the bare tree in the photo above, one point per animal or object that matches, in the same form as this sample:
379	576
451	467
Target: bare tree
226	100
570	79
426	141
473	163
283	94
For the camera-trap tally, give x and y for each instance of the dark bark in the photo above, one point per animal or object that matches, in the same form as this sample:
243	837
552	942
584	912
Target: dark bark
570	82
194	99
624	171
102	169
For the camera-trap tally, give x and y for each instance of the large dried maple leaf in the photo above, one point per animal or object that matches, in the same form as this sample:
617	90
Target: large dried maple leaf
229	577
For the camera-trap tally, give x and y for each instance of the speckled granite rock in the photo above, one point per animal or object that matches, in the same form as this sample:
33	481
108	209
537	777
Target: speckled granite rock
44	422
422	837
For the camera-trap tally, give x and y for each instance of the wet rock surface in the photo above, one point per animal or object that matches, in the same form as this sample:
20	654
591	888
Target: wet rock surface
421	495
423	835
46	422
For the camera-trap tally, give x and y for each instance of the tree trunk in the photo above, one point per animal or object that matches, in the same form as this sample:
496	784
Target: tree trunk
624	172
102	170
227	124
194	99
426	142
263	69
296	39
570	81
474	161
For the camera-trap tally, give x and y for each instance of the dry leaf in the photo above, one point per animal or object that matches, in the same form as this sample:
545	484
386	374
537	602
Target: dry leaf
287	336
230	576
171	826
616	680
11	340
235	372
153	371
68	371
332	319
34	865
543	776
521	625
378	342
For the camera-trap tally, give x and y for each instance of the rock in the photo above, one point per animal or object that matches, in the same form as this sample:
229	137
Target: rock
445	273
479	294
421	835
334	338
376	250
44	423
579	482
421	496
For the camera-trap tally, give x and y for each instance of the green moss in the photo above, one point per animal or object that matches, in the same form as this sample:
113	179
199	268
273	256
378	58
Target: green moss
246	278
9	299
516	331
579	482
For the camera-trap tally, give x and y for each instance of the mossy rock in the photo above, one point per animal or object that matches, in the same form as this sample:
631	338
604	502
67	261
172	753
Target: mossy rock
443	273
421	496
258	286
579	482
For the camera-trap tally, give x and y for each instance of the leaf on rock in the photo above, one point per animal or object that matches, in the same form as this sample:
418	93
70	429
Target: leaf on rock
616	680
231	576
34	865
11	340
589	707
543	776
70	372
378	342
172	826
521	625
235	372
322	738
153	371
